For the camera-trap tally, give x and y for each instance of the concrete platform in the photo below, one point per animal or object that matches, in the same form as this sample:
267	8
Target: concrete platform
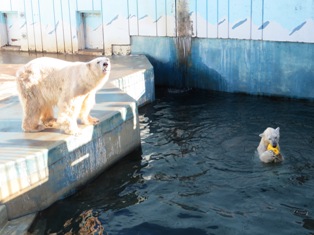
37	169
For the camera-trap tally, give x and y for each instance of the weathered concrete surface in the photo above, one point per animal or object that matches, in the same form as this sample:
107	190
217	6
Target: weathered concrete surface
37	169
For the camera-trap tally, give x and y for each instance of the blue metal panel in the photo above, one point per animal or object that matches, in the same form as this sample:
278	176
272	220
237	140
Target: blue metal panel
254	67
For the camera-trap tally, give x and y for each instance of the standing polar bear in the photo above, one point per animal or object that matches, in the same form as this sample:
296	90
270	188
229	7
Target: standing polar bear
70	86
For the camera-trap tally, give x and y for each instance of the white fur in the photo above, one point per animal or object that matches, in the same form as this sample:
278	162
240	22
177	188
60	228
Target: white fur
269	136
71	86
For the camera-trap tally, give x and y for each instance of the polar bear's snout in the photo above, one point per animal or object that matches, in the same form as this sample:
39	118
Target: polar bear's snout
106	66
104	63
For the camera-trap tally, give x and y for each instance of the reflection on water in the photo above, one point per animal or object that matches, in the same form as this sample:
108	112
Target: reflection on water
198	172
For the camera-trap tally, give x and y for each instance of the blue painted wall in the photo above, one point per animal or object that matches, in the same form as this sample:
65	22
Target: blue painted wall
248	66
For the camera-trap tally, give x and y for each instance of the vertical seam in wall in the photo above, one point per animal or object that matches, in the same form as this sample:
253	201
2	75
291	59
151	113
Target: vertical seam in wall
33	24
228	17
166	18
102	28
70	26
206	18
26	25
41	31
11	5
251	20
263	19
196	26
128	17
137	19
176	17
62	26
217	18
54	20
156	17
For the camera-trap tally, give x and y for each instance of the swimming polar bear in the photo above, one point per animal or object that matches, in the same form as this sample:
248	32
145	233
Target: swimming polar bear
268	148
70	86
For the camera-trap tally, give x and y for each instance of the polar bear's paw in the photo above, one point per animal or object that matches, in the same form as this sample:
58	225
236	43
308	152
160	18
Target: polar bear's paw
90	120
35	129
50	123
93	120
75	131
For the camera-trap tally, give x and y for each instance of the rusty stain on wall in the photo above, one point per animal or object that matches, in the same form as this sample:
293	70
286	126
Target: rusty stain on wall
184	37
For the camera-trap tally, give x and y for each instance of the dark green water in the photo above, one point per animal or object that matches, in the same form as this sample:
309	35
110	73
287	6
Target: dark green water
198	172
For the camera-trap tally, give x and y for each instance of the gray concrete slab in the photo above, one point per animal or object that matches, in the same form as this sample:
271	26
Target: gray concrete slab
36	169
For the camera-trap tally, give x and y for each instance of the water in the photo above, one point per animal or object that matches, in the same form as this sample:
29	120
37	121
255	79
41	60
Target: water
199	173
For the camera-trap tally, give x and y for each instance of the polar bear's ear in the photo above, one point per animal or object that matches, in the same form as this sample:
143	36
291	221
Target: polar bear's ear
277	129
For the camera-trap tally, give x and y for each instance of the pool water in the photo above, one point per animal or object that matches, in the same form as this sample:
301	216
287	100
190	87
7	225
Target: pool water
198	172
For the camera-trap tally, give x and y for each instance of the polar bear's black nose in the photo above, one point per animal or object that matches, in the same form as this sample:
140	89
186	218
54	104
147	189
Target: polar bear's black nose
105	64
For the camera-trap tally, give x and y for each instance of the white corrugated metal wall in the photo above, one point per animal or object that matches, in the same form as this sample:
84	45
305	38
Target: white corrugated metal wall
67	26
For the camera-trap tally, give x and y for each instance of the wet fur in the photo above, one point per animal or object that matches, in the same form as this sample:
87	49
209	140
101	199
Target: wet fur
269	136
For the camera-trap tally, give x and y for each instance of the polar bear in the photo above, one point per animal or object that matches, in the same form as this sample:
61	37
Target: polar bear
268	148
70	86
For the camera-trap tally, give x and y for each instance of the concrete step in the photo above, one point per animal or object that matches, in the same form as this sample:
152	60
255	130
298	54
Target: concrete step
37	169
18	226
3	216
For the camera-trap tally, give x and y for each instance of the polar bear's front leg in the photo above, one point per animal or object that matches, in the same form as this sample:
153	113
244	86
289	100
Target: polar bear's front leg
47	117
68	114
31	117
87	105
267	156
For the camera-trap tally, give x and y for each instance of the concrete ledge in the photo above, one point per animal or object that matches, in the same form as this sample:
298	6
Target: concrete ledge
37	169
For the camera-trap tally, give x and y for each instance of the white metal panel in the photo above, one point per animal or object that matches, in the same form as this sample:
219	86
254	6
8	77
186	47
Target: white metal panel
257	19
116	24
84	5
161	20
147	18
49	27
240	19
67	26
31	45
133	17
223	18
171	18
193	13
5	5
37	27
59	29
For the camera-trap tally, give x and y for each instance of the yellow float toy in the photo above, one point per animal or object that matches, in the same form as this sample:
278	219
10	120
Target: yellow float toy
275	150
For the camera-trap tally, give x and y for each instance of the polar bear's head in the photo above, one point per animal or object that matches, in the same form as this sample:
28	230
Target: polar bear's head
101	65
270	136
